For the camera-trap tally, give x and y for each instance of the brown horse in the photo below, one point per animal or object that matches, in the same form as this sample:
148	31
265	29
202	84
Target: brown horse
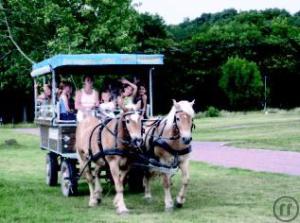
116	137
168	140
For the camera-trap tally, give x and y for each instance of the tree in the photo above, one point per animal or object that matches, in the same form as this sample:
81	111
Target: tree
241	82
152	35
44	28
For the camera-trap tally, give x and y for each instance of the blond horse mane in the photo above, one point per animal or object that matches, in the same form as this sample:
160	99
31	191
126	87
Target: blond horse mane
184	106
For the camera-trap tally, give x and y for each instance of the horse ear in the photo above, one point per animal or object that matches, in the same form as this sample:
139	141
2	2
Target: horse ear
192	102
174	102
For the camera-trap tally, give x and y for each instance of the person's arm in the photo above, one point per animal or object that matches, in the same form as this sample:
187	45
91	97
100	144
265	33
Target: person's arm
97	98
144	98
134	87
78	105
120	102
42	96
66	102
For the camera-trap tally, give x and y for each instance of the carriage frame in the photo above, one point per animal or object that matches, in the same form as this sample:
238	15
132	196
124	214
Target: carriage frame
58	136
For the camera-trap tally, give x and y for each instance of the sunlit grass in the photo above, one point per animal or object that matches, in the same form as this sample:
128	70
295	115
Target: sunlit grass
215	194
278	131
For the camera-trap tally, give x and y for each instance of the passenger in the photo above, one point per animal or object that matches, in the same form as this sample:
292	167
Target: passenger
45	96
107	105
60	89
66	113
141	100
125	100
86	99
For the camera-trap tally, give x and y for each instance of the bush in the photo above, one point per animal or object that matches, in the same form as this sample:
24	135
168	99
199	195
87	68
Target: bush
242	83
212	112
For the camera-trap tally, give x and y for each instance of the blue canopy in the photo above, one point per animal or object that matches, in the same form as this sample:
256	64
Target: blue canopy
67	60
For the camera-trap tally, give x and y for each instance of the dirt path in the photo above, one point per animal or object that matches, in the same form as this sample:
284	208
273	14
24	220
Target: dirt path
31	131
217	153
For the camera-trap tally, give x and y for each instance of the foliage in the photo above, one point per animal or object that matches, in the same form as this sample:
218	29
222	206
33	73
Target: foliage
194	50
242	83
45	28
152	37
268	38
212	112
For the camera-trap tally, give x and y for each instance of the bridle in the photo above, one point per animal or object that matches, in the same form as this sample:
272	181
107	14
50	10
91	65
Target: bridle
127	139
175	128
175	124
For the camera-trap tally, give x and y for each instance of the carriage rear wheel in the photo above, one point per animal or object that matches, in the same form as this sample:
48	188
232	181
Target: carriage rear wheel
51	169
68	181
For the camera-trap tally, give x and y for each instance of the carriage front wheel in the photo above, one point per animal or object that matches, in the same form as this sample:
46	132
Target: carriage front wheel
68	181
51	169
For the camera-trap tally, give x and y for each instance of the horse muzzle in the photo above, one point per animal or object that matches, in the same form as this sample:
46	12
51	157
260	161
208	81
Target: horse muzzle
186	140
137	142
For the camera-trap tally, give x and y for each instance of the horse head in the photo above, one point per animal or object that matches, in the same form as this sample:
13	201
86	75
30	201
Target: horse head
183	119
132	120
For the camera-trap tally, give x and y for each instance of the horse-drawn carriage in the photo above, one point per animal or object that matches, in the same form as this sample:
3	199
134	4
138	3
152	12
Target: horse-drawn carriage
58	136
168	138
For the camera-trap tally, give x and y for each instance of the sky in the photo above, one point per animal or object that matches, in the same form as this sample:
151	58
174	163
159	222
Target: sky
175	11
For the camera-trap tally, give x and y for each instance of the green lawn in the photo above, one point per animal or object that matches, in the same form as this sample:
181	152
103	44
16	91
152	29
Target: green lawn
214	195
278	131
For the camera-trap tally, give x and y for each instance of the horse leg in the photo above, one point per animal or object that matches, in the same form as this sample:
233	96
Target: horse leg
89	178
146	183
118	177
167	188
98	189
180	199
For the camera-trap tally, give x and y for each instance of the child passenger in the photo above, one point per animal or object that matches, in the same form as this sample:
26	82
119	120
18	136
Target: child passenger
107	106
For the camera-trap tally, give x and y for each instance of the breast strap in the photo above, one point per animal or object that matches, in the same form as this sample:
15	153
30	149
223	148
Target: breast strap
163	144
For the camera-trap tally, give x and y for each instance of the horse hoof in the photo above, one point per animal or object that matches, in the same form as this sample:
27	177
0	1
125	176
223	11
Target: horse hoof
148	199
178	205
123	212
169	209
93	203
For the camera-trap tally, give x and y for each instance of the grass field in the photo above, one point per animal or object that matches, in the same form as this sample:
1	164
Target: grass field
214	195
277	130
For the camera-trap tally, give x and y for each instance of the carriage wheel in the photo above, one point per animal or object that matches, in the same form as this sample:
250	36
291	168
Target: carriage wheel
135	180
68	181
51	169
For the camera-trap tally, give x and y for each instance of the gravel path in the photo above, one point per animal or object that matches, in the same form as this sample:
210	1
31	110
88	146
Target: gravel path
217	153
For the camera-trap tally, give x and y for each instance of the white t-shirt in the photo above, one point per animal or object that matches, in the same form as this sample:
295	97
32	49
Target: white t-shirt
88	101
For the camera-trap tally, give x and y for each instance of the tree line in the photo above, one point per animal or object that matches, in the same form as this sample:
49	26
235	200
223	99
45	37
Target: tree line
220	59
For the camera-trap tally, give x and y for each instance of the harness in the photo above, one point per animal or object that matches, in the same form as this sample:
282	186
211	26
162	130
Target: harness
150	160
140	156
109	152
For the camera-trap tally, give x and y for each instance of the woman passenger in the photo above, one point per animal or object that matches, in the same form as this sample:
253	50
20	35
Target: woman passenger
128	93
86	99
64	102
141	100
45	96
